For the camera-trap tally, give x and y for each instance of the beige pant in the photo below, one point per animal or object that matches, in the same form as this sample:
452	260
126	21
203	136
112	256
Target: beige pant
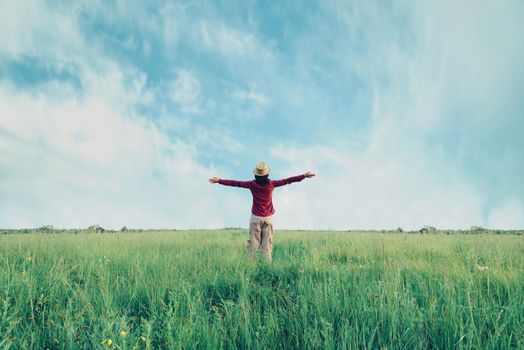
260	236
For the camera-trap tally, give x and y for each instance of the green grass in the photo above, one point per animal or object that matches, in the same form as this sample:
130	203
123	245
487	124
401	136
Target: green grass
198	289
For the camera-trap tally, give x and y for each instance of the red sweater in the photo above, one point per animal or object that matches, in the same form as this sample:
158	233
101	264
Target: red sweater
262	194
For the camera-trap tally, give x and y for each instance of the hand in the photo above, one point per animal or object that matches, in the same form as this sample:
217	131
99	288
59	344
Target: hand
309	174
214	180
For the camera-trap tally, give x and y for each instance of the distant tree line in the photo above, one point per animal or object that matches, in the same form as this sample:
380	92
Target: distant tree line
50	229
434	230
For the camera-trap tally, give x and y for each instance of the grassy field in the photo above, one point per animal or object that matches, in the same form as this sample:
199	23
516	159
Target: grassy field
197	289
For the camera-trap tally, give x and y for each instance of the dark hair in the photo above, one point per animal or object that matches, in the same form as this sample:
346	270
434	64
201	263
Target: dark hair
262	180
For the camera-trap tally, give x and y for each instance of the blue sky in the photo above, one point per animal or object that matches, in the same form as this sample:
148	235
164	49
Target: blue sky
116	113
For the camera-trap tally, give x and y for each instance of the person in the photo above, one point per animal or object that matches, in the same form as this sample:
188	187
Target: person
262	210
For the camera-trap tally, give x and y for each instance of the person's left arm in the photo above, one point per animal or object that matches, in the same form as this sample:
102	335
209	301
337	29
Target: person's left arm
234	183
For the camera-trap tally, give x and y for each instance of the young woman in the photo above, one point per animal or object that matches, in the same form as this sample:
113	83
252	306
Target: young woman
260	225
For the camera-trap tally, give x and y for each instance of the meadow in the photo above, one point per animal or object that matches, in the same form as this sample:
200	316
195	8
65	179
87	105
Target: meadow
198	290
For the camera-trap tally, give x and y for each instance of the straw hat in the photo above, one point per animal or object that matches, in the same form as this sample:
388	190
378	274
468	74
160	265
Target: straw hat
261	169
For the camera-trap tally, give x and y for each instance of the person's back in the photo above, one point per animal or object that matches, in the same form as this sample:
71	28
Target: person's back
262	199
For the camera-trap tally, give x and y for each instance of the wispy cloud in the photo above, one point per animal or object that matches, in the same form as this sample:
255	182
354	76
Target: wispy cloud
186	91
229	41
252	96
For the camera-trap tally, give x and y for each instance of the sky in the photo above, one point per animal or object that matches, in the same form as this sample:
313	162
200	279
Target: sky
116	113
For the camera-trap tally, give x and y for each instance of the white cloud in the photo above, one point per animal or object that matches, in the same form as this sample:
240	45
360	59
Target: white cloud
509	216
371	191
77	163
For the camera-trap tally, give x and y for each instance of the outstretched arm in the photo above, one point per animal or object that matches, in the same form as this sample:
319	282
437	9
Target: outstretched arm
234	183
289	180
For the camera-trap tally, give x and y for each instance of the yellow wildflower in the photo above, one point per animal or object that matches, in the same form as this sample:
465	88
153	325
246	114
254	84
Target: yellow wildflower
123	333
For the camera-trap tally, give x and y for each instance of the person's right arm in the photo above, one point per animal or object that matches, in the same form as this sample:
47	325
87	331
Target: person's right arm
234	183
